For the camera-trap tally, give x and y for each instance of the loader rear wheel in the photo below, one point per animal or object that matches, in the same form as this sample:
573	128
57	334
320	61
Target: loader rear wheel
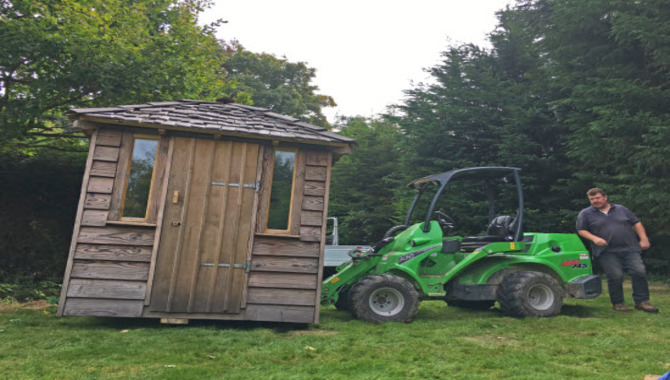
384	298
530	294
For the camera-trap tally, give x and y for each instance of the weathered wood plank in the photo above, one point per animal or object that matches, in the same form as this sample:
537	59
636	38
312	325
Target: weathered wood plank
123	165
298	190
103	169
94	218
322	241
103	307
100	185
106	153
109	137
264	193
284	264
296	297
276	313
97	201
310	233
283	247
315	158
312	203
171	239
195	205
110	270
315	188
112	252
315	173
130	290
312	218
117	235
159	177
282	280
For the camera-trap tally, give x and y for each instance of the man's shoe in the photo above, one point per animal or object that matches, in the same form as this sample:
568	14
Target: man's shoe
646	306
620	307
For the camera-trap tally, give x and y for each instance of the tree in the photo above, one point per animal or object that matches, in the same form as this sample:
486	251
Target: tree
277	84
59	54
364	183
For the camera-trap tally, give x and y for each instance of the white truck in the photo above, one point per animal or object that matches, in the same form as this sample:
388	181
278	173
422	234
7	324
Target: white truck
336	254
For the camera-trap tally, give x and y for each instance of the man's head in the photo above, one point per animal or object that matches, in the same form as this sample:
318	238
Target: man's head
597	197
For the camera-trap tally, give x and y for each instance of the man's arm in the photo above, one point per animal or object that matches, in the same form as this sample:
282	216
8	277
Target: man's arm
595	239
642	234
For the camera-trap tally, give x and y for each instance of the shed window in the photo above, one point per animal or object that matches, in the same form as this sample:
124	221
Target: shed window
279	211
140	178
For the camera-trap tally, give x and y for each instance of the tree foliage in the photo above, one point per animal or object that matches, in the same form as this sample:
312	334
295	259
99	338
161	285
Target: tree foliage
275	83
59	54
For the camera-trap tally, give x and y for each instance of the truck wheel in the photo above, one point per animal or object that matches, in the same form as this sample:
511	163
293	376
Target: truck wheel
384	298
530	294
472	305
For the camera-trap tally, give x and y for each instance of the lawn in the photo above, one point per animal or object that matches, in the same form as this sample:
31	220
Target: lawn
588	340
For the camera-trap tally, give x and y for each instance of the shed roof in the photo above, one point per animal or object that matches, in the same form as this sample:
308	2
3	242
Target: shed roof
213	118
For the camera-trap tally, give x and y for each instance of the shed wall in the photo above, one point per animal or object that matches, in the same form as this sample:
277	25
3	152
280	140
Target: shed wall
110	261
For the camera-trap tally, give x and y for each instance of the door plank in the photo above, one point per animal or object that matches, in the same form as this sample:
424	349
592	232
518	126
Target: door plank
171	232
195	204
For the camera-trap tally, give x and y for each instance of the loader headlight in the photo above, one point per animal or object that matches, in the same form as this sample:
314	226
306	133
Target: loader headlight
359	252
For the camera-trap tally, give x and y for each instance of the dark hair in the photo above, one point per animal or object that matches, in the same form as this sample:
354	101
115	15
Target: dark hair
595	191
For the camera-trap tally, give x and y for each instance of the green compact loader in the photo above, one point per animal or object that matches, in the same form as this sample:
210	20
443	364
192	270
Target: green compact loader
528	274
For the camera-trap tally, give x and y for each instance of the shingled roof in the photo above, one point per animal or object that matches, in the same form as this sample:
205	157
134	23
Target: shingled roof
213	118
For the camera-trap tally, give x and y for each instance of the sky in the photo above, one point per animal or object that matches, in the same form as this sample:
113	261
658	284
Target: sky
367	52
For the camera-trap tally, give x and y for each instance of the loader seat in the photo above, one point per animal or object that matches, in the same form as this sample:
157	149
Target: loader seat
501	228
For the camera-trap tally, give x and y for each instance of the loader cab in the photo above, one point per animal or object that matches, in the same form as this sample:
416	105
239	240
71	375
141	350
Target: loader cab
480	204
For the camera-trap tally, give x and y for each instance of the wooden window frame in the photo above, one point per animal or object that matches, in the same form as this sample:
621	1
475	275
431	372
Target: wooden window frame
135	137
287	231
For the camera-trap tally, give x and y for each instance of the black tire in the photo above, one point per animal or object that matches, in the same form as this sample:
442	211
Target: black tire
343	302
384	298
472	305
530	294
394	230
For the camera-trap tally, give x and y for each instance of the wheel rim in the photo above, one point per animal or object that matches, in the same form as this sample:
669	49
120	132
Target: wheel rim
540	296
386	301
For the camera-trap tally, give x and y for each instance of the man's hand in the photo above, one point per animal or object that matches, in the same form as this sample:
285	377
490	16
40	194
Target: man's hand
644	244
600	241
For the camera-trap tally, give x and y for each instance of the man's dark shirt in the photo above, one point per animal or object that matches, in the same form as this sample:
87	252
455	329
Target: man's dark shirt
616	227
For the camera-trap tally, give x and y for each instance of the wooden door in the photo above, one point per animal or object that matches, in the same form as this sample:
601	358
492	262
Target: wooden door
208	223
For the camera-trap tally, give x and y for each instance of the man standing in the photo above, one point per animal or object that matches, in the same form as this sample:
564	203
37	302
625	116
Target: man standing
617	238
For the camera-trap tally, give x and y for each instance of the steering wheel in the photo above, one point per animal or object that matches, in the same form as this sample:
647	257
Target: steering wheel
445	221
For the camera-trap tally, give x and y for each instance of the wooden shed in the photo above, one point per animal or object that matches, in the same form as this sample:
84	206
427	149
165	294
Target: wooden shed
200	210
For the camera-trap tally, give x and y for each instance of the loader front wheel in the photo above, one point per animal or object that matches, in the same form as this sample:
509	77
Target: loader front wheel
530	294
384	298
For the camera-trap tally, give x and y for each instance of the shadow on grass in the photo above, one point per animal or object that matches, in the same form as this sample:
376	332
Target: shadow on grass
579	311
92	323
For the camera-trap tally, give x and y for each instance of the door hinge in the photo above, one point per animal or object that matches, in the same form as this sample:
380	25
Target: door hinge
256	186
246	265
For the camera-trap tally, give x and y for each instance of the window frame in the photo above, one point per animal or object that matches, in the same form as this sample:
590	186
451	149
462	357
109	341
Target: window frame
145	219
287	231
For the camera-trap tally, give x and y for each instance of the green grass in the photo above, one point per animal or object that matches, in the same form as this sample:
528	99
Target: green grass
588	340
